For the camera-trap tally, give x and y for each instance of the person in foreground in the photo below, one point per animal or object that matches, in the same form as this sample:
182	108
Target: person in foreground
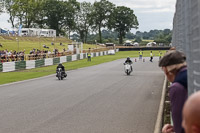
174	66
191	114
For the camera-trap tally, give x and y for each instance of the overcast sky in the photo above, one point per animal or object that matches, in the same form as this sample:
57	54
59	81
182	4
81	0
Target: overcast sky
152	14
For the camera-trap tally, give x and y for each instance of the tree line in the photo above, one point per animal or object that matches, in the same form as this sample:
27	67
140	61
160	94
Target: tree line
71	16
159	36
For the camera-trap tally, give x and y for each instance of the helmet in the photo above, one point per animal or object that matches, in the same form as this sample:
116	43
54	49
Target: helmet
128	58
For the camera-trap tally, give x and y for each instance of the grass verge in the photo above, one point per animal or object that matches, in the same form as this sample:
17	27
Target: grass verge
10	77
28	43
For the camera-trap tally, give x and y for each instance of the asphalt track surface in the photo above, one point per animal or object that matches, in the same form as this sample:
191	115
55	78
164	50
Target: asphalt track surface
97	99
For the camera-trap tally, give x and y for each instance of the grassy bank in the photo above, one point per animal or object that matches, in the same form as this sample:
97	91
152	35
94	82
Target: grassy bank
43	71
28	43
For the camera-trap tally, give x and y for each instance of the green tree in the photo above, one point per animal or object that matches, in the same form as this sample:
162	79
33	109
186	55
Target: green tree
54	15
24	11
83	19
140	34
123	20
166	31
101	14
155	34
145	35
138	39
9	5
72	8
108	34
130	35
1	7
161	38
40	17
164	36
168	38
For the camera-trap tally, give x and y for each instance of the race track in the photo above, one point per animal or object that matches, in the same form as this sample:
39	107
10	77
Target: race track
97	99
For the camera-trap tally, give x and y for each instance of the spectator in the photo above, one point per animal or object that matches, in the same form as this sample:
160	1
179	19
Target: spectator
89	55
174	66
140	54
191	114
44	46
49	52
22	56
160	55
151	56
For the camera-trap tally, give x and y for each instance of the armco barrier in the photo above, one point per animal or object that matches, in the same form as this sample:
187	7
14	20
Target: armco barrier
63	59
78	56
94	54
56	60
20	65
30	64
48	62
74	57
81	56
8	66
97	54
1	67
84	56
101	53
69	58
39	63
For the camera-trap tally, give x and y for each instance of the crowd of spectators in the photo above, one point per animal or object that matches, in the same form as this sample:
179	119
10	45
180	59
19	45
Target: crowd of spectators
34	54
6	56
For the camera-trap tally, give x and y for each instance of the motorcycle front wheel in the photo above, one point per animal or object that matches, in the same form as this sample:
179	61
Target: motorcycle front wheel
59	76
127	72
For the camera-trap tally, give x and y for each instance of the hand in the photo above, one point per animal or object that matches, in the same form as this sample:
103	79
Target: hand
168	128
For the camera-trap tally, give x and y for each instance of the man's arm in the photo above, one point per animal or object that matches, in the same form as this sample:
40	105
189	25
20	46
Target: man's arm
178	96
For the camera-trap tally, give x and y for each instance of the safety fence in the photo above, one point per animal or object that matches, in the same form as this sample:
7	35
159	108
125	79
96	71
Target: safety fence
30	64
186	37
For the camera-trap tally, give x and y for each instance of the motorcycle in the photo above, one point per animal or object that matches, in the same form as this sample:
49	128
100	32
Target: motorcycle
127	68
60	74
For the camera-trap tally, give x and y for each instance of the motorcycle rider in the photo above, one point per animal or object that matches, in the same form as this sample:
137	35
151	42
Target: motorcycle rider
128	61
63	70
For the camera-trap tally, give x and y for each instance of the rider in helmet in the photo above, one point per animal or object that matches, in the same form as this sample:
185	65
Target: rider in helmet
128	61
63	69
